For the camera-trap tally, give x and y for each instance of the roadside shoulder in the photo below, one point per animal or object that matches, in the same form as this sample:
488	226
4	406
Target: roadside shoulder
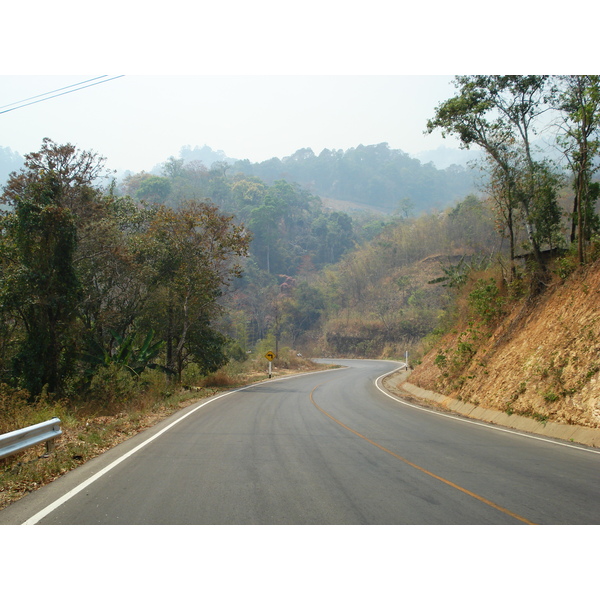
397	383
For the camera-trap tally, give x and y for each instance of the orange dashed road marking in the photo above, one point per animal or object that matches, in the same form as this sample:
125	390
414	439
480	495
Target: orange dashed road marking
411	464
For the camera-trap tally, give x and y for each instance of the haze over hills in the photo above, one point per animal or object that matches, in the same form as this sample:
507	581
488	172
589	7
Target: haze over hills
442	157
373	178
9	161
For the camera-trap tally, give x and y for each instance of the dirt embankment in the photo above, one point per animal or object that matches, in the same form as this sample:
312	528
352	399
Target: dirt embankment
542	361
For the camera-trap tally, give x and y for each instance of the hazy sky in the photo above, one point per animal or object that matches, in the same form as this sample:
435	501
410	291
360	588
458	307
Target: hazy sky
255	79
139	121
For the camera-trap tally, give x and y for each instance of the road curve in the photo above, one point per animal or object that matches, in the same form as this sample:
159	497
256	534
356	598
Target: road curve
322	448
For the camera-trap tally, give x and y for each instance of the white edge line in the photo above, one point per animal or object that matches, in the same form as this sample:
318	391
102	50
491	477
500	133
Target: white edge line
475	422
60	501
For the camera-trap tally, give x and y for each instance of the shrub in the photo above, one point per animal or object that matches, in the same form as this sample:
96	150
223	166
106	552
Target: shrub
441	360
218	379
550	397
113	385
565	266
486	301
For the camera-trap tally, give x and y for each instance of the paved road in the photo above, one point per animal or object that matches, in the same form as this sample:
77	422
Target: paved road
324	448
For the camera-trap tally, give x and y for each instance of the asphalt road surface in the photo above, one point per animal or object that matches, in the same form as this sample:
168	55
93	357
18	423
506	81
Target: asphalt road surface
324	448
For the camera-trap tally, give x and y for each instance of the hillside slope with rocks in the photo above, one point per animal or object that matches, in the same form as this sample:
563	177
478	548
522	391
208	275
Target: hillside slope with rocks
541	360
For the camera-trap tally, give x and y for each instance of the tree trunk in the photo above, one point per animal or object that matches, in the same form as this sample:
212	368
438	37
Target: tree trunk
169	339
574	218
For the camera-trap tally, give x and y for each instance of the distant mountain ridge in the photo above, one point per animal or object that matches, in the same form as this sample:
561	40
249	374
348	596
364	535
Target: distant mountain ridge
375	177
9	161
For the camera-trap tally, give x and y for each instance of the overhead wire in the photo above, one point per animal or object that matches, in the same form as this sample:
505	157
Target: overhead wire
80	84
53	91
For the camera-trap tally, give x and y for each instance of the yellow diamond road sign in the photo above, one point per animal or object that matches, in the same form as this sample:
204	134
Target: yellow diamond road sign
270	355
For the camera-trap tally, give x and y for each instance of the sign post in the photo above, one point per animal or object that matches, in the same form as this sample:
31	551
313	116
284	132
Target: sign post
270	356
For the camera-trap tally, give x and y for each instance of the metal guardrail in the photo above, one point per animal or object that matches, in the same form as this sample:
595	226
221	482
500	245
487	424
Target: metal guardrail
21	439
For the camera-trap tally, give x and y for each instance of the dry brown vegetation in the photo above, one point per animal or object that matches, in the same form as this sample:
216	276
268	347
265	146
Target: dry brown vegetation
539	357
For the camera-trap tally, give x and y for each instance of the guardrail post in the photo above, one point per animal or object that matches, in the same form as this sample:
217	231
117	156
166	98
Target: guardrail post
50	445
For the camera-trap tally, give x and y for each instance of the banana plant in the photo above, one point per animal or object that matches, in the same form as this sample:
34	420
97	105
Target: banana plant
136	360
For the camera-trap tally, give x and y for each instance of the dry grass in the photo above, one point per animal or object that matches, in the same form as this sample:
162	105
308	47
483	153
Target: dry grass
540	359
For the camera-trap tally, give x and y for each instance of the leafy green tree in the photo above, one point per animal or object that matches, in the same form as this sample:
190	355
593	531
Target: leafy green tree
132	182
115	265
302	311
39	284
196	253
247	193
76	172
498	114
173	167
545	211
154	189
264	223
502	198
59	234
334	235
207	347
578	100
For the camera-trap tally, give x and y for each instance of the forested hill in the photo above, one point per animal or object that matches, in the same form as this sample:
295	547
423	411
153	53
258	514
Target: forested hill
374	177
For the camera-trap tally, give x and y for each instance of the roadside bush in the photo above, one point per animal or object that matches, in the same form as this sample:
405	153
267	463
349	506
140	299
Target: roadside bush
287	359
486	300
191	375
566	265
17	410
218	379
113	385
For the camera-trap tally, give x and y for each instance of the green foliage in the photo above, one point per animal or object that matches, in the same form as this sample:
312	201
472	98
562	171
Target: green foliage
208	348
174	268
154	189
441	360
40	285
566	265
486	300
498	114
83	270
545	212
302	310
334	235
578	99
550	396
112	385
373	176
126	355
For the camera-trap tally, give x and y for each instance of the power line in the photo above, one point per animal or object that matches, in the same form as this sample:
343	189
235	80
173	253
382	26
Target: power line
53	91
56	95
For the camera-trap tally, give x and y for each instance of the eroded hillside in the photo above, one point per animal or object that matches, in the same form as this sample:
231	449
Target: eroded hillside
542	360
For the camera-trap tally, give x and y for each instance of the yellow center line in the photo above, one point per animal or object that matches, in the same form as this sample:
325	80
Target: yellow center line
404	460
